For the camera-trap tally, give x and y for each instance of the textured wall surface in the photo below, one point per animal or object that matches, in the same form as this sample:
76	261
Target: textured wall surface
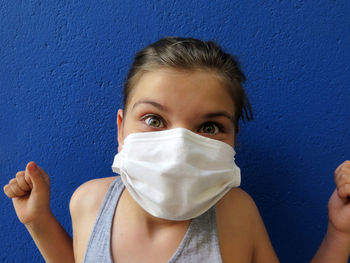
62	64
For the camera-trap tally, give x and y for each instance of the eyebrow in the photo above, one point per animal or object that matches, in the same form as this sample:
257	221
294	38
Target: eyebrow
163	108
153	103
219	114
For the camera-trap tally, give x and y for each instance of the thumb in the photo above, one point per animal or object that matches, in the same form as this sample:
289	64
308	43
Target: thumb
33	176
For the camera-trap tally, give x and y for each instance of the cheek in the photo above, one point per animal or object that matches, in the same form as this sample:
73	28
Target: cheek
130	125
230	142
229	138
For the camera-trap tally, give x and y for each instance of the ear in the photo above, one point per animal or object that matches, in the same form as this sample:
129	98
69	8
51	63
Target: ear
120	126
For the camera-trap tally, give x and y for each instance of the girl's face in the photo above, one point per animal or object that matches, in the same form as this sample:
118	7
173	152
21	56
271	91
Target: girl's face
166	98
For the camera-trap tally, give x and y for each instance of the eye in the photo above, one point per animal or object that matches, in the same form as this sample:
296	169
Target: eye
210	128
153	121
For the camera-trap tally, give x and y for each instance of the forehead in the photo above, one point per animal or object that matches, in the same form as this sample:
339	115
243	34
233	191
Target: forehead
183	89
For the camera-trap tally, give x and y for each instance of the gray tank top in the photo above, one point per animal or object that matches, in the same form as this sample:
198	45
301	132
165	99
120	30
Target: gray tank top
200	243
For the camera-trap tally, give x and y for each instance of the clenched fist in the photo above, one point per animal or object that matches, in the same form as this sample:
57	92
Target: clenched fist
30	193
339	203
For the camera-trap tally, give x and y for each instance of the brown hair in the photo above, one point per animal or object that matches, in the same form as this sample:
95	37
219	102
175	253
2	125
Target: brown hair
192	54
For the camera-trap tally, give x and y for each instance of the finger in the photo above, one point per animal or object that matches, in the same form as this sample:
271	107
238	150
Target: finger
22	183
345	163
344	192
342	176
34	174
8	191
341	168
28	180
16	189
338	168
44	175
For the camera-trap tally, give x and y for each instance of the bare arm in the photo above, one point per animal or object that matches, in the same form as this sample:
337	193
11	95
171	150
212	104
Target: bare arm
242	233
52	240
263	250
334	248
30	193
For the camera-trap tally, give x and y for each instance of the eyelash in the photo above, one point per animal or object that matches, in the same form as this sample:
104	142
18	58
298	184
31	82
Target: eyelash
144	118
153	116
220	126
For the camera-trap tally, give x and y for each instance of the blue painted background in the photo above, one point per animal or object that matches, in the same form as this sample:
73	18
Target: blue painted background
62	65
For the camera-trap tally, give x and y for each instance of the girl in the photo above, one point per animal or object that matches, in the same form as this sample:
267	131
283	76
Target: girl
177	197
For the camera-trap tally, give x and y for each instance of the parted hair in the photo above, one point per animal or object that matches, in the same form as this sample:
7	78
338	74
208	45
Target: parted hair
192	54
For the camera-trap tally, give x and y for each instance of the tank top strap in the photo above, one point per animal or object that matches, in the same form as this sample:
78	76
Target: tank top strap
98	247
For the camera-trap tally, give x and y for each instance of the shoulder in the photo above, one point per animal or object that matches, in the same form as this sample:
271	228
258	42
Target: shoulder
237	213
84	206
234	199
89	195
241	231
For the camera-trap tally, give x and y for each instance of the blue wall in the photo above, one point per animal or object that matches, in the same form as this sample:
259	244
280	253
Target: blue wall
61	71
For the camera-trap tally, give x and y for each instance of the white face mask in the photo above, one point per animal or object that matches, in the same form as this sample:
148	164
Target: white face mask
176	174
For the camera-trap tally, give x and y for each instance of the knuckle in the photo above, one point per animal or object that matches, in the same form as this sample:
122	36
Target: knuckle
13	185
347	164
5	188
8	192
344	175
16	190
340	178
345	189
19	175
13	181
336	174
12	188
